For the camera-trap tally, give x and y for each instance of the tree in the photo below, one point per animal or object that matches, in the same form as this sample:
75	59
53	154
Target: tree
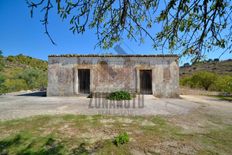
189	26
204	79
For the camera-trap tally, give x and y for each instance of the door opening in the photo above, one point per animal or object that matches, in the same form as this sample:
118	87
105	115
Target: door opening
84	81
146	81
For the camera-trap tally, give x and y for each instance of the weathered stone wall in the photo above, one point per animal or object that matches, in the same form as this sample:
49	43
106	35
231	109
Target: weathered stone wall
112	73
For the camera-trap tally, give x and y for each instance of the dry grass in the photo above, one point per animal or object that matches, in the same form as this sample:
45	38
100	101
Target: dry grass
70	134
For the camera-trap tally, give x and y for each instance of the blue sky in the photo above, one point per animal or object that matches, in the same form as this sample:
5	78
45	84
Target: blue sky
21	34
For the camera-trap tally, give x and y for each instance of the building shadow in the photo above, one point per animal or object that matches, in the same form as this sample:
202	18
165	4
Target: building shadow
35	94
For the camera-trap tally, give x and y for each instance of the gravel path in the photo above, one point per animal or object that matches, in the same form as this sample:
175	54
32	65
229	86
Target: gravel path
20	105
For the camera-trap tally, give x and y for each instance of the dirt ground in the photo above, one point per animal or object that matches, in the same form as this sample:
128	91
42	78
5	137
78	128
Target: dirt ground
188	125
24	104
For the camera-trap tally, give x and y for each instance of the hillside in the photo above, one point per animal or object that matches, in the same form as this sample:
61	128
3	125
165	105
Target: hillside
208	75
22	73
219	67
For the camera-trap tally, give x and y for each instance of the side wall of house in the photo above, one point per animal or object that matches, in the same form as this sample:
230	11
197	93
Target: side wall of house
166	78
112	73
60	76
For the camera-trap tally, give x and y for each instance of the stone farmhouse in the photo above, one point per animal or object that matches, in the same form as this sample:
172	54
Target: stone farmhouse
70	75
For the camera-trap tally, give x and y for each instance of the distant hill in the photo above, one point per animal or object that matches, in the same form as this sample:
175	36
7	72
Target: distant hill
220	67
25	61
22	73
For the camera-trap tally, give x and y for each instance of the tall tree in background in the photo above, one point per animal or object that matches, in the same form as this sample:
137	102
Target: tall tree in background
188	26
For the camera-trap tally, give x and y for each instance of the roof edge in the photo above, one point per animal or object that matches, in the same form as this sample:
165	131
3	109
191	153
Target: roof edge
96	55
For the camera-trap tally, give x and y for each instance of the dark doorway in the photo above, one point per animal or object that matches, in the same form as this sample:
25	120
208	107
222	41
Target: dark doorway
146	81
84	81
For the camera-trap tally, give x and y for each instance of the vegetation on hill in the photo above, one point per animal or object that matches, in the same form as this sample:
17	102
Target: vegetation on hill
208	81
22	73
215	66
210	74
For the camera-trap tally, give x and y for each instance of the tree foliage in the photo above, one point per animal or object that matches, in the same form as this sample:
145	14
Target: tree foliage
208	81
34	78
224	83
189	26
204	79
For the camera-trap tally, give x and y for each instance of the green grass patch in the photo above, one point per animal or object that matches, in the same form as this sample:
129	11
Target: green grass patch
71	134
216	141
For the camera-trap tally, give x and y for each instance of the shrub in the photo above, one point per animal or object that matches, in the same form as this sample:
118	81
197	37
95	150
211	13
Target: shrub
10	58
12	85
121	139
224	84
187	81
119	95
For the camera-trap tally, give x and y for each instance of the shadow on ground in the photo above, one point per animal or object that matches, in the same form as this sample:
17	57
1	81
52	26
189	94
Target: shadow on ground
35	94
48	146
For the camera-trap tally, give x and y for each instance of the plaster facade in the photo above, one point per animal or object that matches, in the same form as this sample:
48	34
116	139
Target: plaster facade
113	72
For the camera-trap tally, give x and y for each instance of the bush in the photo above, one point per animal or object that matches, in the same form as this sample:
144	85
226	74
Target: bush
224	84
121	139
187	81
10	58
12	85
119	95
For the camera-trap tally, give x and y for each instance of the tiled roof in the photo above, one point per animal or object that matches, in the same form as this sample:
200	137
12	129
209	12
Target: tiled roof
107	55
